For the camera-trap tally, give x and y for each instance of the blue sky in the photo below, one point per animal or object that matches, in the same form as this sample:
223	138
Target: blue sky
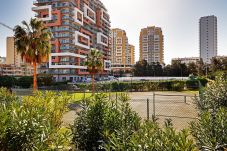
179	20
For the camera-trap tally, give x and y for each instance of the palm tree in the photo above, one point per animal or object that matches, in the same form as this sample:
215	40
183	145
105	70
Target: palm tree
94	64
32	42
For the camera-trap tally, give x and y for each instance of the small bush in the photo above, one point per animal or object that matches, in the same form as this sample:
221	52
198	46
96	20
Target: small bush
7	81
192	84
151	137
45	80
178	86
100	118
25	82
203	81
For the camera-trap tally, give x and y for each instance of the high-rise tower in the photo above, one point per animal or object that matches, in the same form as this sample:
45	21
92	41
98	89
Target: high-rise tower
77	26
122	53
151	45
208	38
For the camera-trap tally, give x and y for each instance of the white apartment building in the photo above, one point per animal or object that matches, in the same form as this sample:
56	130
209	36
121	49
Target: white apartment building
187	60
208	38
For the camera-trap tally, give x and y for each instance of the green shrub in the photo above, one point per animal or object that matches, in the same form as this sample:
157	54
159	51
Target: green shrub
203	81
33	123
151	137
210	131
165	85
100	118
151	86
45	80
25	82
178	86
192	84
7	81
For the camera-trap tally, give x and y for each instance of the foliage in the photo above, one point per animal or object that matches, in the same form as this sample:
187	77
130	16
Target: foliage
33	41
94	63
7	81
100	118
45	80
192	84
178	86
25	82
210	130
178	69
203	81
151	137
214	96
140	86
33	123
142	68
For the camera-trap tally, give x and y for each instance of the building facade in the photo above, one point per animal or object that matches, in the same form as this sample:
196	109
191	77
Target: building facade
12	57
187	60
152	45
77	26
14	65
208	38
13	70
122	53
131	57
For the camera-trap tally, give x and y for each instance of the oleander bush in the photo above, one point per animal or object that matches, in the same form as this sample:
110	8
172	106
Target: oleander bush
100	118
151	136
25	82
7	81
210	131
33	122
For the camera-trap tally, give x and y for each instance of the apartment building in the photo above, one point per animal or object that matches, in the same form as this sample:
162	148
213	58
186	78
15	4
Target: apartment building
122	54
77	26
14	65
12	57
131	57
208	38
187	60
13	70
152	45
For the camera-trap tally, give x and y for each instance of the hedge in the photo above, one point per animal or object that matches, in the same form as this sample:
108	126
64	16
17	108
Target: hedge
136	86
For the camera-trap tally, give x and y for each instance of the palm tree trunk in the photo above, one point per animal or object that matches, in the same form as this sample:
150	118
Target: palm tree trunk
35	77
93	84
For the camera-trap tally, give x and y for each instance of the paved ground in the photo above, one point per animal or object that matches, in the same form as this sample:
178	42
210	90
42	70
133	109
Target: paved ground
167	105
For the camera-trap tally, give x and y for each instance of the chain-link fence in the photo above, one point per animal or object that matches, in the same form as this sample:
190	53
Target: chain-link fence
181	109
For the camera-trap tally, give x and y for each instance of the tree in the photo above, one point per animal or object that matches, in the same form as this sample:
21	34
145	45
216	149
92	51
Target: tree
216	65
179	69
192	68
33	43
94	64
167	70
201	68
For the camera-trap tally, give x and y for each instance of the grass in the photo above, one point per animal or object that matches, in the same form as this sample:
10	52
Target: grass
80	96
